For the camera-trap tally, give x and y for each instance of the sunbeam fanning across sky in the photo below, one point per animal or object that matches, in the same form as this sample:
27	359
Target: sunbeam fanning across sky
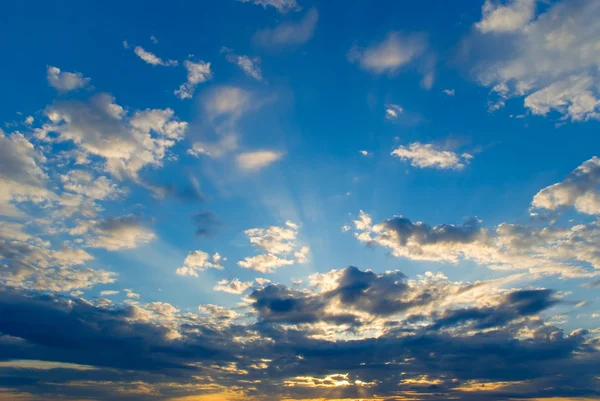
300	200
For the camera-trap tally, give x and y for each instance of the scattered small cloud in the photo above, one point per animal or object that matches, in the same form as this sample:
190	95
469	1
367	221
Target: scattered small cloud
430	156
256	160
197	73
152	59
66	81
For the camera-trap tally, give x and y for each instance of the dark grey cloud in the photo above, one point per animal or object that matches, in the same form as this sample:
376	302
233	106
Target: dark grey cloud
207	223
431	356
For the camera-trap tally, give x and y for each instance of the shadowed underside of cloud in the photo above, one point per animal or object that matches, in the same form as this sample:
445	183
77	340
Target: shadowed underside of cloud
496	347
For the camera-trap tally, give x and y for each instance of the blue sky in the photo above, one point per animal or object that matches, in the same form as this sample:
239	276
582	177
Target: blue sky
240	195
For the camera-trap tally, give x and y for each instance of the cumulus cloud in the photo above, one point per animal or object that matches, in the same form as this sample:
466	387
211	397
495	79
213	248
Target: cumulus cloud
289	33
234	286
151	58
352	322
581	190
64	81
114	233
449	92
22	177
426	155
280	247
27	262
548	59
282	6
103	128
256	160
199	261
566	251
498	17
396	51
197	73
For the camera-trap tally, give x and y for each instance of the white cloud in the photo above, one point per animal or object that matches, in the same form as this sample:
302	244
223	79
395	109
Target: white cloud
366	153
197	73
129	293
218	312
429	156
106	293
84	183
505	18
114	233
250	66
125	44
550	60
29	120
393	111
266	263
279	243
21	175
222	109
153	39
198	261
301	256
257	160
234	286
282	6
449	92
388	56
66	81
151	58
581	190
101	127
289	33
568	252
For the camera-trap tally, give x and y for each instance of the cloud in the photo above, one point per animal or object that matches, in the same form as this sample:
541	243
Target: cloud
66	81
198	261
153	39
197	73
430	156
566	251
547	59
207	223
388	56
234	286
28	262
392	111
127	142
449	92
256	160
513	16
84	183
22	177
115	233
350	324
29	120
108	293
288	33
222	109
151	58
581	190
250	66
278	243
282	6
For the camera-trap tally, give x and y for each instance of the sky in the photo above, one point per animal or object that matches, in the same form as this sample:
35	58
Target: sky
300	200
